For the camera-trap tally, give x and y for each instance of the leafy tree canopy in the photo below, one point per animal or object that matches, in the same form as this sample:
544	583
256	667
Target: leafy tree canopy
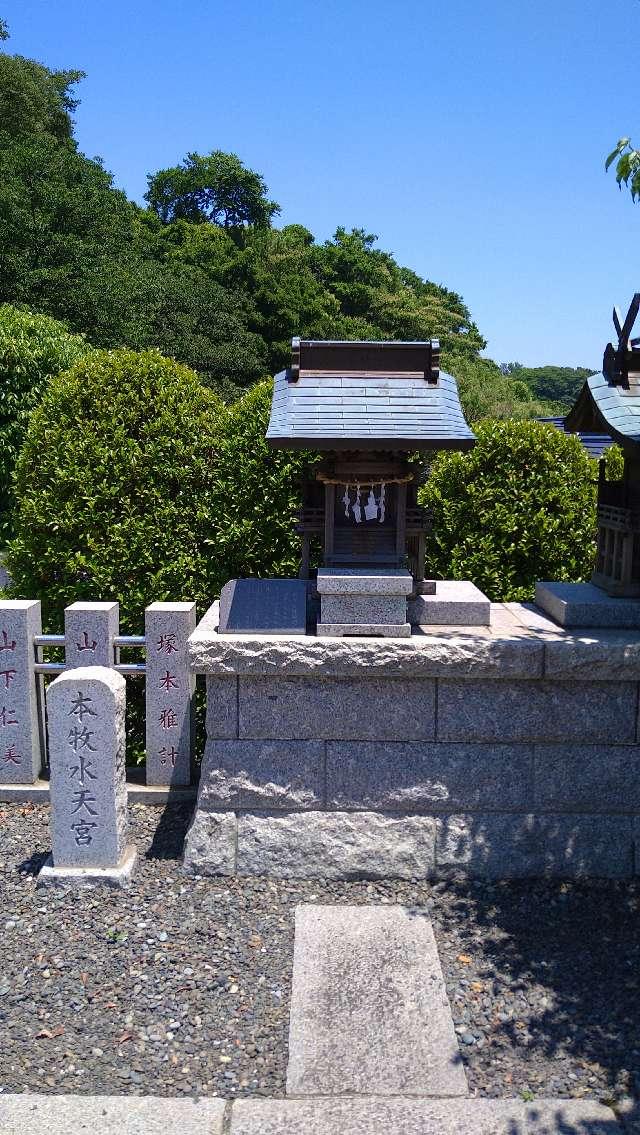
559	385
33	348
33	99
216	187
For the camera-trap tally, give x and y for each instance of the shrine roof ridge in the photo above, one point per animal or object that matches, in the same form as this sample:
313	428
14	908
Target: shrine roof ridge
366	394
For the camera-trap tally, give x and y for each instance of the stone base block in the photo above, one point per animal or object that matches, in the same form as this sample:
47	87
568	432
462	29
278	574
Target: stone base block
336	845
502	846
210	845
583	605
364	581
454	603
379	630
363	609
118	876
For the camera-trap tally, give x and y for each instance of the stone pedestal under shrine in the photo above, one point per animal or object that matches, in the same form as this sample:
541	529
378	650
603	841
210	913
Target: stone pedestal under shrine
502	750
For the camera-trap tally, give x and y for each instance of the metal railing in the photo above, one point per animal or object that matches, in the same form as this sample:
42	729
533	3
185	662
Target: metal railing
42	641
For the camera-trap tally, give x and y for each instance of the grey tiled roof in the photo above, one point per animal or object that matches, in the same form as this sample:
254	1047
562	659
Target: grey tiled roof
329	412
615	409
595	443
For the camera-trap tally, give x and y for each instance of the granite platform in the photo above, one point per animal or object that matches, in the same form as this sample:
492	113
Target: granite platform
504	750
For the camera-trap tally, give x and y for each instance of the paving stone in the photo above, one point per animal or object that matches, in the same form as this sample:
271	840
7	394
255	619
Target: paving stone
109	1115
169	690
20	749
454	603
371	1116
222	708
369	1006
423	776
262	774
512	846
536	711
569	1117
210	844
336	845
86	722
337	709
596	778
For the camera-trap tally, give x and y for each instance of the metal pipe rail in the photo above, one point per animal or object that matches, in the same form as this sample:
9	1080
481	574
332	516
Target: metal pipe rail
50	640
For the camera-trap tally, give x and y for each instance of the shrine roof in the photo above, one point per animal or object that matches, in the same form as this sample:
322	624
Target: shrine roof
367	396
605	407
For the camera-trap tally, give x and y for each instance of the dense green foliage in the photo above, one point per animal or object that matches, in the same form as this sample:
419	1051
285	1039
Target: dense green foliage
32	349
517	508
116	483
256	495
557	385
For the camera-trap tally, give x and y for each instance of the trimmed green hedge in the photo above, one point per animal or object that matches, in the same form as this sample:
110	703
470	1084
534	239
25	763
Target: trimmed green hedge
517	508
33	348
257	495
116	483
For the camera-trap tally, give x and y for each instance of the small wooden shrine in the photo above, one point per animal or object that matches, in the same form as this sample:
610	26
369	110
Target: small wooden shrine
610	402
368	406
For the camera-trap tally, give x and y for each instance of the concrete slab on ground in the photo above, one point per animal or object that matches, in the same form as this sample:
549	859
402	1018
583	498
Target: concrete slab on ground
109	1115
421	1117
369	1009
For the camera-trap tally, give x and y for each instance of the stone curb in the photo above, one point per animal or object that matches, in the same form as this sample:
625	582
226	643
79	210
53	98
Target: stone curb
139	1115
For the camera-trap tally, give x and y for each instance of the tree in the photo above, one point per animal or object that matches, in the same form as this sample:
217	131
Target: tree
33	99
559	385
4	30
115	485
33	348
627	166
216	187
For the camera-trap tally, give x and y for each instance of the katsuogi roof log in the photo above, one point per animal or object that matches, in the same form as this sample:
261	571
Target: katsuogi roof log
366	395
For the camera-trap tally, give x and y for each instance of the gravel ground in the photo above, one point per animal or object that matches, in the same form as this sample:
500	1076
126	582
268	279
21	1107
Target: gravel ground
181	986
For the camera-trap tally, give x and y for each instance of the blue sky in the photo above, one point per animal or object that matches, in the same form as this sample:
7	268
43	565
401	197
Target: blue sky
470	137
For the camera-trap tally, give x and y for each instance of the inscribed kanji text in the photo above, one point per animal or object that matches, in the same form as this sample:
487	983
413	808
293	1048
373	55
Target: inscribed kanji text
80	707
166	644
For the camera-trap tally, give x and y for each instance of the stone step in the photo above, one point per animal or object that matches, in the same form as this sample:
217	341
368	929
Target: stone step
369	1009
421	1117
109	1115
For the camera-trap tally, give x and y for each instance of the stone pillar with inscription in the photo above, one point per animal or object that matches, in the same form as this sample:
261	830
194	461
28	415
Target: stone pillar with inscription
89	817
20	739
170	687
89	631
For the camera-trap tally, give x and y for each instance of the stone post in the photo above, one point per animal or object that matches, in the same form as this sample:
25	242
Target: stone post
90	630
170	687
89	817
20	743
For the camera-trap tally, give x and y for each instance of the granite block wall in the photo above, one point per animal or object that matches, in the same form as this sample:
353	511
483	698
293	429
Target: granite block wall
503	752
